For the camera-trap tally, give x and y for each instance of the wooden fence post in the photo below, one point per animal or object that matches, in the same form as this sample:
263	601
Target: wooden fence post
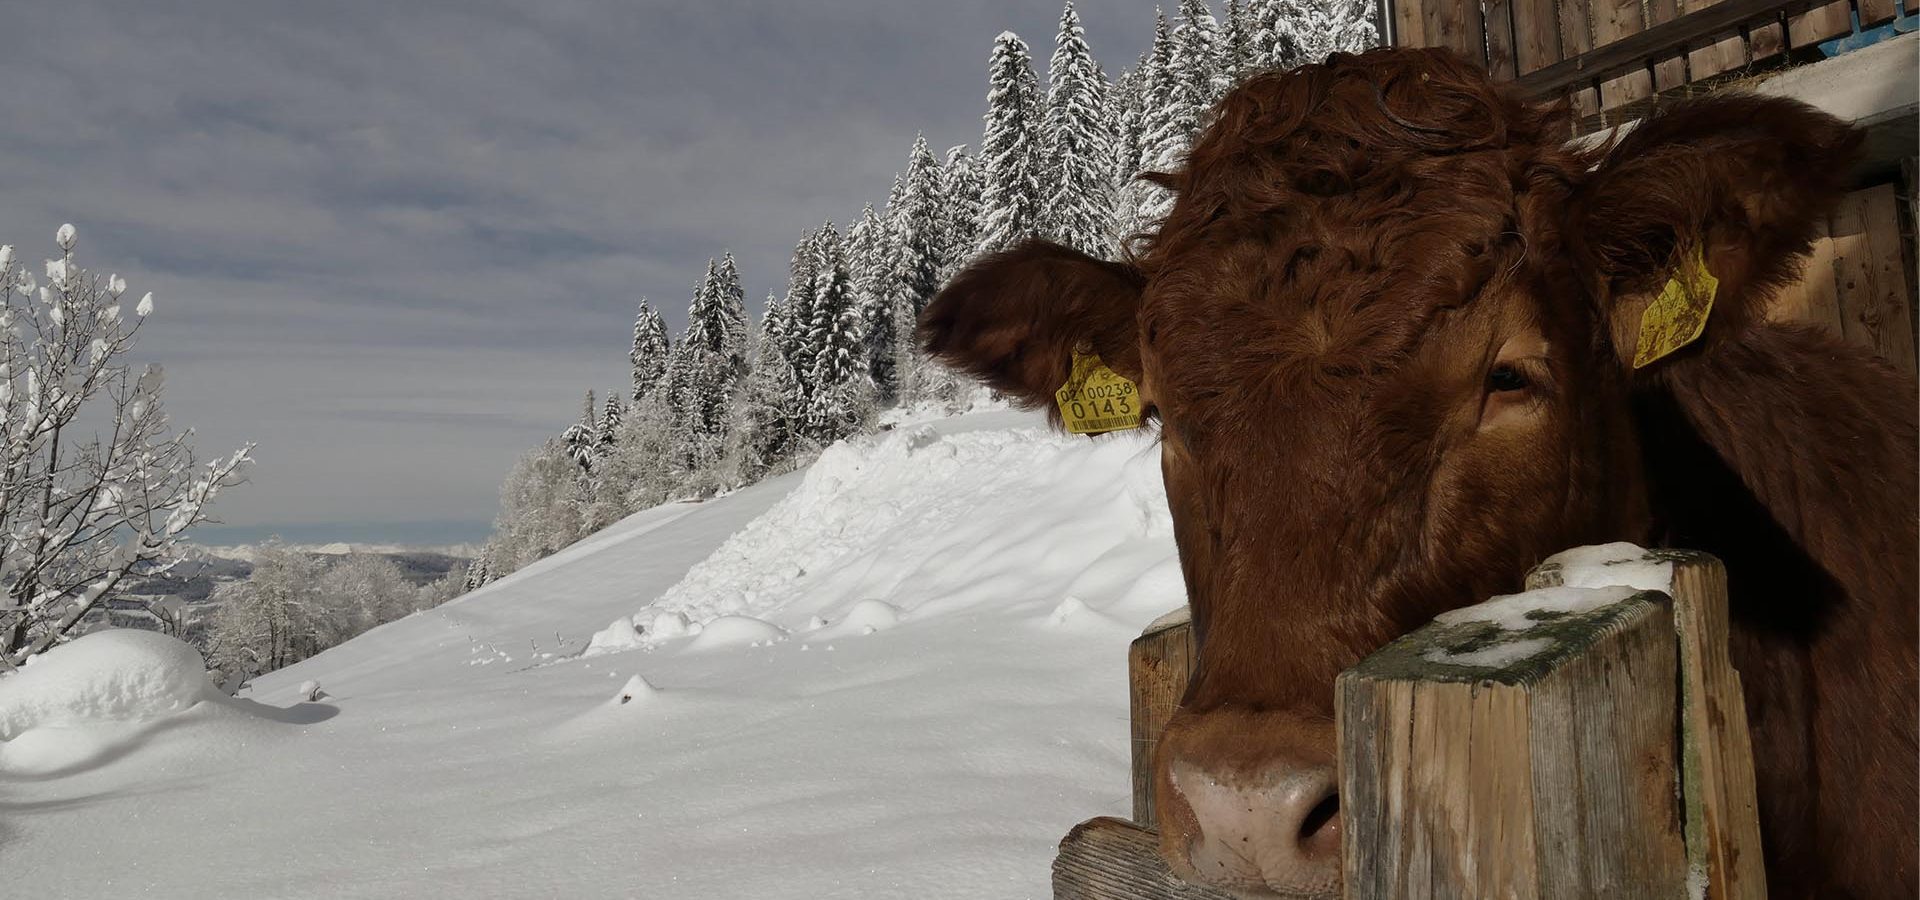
1526	748
1159	663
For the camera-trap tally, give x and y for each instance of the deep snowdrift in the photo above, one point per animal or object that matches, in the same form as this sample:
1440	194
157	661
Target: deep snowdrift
920	687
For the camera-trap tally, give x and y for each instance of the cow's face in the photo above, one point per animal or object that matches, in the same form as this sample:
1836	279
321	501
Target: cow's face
1381	332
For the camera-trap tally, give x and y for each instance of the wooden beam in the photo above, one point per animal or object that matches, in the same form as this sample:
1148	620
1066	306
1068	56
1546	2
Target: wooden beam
1658	42
1113	859
1159	664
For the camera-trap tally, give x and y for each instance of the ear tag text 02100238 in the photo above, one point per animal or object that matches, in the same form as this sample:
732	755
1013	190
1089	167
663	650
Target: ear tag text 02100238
1678	316
1097	399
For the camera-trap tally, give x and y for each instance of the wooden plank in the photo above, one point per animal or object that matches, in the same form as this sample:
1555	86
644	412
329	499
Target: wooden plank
1670	70
1500	40
1613	20
1113	859
1561	753
1814	299
1821	23
1456	25
1765	42
1870	276
1576	40
1159	664
1876	12
1536	34
1700	23
1409	24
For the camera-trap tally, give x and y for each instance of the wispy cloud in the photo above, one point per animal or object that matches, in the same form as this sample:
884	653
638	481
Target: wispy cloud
454	206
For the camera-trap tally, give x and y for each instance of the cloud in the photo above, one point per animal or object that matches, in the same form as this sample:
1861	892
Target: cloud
453	207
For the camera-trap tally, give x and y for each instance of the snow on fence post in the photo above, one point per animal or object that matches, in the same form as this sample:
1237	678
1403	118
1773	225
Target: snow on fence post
1586	741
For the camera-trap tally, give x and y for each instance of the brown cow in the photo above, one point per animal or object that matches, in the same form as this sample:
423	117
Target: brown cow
1388	331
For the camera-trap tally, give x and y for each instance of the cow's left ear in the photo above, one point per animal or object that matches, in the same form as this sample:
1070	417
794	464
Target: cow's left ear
1737	181
1015	319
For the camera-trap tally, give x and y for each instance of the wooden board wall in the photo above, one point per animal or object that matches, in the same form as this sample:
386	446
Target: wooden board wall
1856	283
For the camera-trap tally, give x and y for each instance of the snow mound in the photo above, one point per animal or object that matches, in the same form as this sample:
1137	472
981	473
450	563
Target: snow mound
117	675
668	626
930	520
616	637
636	688
736	631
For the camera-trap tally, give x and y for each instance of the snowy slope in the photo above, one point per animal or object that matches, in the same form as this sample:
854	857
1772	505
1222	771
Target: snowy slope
963	705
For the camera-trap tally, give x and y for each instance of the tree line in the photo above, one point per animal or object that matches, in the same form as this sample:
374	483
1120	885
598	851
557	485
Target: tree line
726	403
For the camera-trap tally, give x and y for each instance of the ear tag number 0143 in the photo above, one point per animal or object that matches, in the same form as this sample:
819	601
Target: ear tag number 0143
1678	316
1097	399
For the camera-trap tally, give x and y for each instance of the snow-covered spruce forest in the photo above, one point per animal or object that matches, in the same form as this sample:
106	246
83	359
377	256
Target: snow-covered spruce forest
728	402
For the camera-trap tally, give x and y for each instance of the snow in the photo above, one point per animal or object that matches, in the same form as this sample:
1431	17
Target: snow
107	695
106	676
1521	612
1620	563
941	755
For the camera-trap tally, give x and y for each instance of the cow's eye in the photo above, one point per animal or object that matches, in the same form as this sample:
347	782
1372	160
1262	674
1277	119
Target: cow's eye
1505	377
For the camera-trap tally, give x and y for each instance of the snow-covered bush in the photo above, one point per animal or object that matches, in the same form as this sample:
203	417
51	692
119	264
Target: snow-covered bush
81	512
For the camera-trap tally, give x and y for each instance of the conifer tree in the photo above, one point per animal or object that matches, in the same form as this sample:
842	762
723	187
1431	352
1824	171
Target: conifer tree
872	256
1078	211
1236	45
583	436
649	354
730	314
1163	142
797	311
836	336
1196	59
609	425
770	413
960	228
1289	33
918	229
1012	195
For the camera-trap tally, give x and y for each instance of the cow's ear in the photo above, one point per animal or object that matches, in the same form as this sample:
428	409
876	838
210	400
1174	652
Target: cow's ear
1736	182
1014	319
1817	430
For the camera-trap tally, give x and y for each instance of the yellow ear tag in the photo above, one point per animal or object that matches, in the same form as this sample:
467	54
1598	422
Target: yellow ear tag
1678	316
1097	399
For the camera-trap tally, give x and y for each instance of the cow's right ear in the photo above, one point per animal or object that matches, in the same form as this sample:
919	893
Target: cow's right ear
1013	319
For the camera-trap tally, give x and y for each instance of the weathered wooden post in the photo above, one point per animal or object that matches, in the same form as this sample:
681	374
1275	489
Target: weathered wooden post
1526	747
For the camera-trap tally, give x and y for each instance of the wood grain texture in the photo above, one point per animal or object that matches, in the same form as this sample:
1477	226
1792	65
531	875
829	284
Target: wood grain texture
1820	23
1870	275
1159	664
1550	777
1613	20
1856	283
1536	34
1876	12
1113	859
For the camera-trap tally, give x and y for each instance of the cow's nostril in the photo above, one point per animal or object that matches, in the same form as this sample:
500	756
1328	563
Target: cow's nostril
1322	815
1320	830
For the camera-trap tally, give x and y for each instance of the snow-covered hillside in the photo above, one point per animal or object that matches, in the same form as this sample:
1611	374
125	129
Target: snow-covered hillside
908	681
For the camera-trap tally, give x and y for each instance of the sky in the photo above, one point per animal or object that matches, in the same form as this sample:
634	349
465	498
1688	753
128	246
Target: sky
394	243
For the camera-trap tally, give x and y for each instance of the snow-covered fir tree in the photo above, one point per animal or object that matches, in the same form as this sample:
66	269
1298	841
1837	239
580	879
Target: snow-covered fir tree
1013	193
649	355
873	257
1236	45
918	231
960	184
1078	211
1290	33
609	425
770	415
1163	138
842	392
796	312
583	436
1196	60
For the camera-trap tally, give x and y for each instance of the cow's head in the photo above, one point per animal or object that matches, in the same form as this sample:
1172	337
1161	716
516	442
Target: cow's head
1388	332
